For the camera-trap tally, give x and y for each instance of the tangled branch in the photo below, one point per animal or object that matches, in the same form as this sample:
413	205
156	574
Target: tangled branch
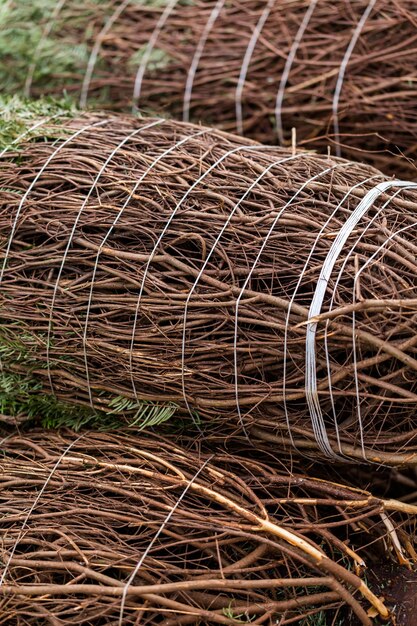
179	535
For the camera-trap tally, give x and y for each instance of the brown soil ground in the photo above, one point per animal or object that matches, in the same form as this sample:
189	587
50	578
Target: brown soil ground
398	586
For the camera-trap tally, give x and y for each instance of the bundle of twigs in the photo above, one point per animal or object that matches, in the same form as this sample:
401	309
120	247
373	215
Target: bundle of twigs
340	72
115	529
153	261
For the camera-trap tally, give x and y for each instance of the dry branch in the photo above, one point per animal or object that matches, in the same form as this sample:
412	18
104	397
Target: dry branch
119	528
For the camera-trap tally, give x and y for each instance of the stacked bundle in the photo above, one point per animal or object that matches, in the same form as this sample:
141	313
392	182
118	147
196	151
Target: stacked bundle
115	529
339	72
156	262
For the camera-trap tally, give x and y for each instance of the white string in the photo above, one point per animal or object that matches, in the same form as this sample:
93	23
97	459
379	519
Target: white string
96	49
164	230
326	345
115	221
246	61
38	497
71	236
338	279
137	89
45	34
274	223
155	538
287	69
316	241
341	75
196	58
312	397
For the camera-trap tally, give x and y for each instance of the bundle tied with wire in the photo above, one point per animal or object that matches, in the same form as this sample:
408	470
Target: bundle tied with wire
150	266
342	73
113	528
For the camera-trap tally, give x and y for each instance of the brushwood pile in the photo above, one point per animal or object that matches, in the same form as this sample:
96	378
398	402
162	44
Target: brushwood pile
208	312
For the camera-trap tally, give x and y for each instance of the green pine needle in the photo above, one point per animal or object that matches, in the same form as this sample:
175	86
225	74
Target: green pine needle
24	395
18	115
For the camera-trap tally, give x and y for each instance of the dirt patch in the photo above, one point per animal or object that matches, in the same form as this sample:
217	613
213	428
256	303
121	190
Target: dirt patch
398	586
